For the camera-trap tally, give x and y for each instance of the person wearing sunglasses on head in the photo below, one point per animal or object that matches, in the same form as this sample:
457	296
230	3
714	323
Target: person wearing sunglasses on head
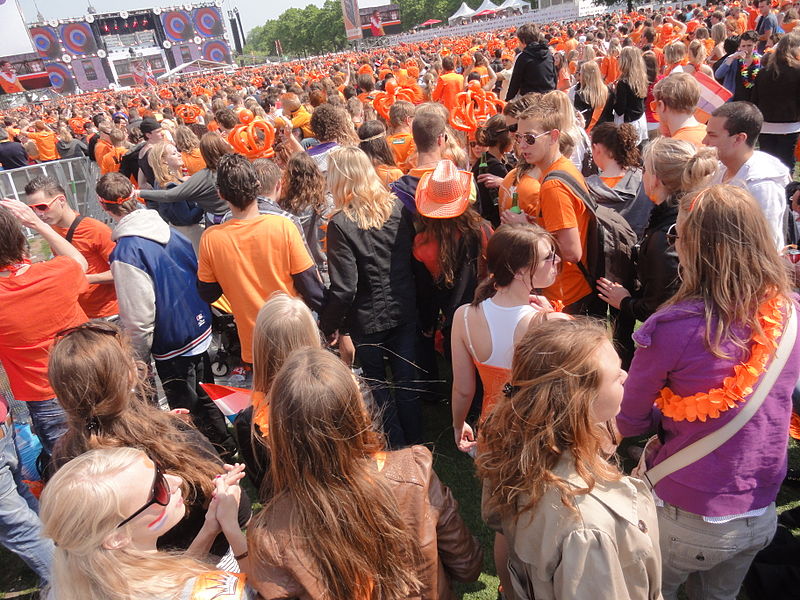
672	168
91	238
105	395
105	511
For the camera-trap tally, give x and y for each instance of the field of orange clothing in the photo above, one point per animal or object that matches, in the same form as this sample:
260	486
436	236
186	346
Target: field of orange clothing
111	160
45	144
526	190
193	161
447	88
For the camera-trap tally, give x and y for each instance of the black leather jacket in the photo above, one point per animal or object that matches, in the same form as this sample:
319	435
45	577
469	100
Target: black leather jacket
656	265
534	71
372	274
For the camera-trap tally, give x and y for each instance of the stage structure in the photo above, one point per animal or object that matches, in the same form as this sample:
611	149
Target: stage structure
126	48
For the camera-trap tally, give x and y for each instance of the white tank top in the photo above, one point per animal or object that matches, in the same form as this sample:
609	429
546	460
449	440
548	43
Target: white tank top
502	323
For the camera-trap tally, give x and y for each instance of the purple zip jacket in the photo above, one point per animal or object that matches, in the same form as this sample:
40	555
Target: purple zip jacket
743	474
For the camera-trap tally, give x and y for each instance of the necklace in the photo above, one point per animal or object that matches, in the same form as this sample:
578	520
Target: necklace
737	387
750	73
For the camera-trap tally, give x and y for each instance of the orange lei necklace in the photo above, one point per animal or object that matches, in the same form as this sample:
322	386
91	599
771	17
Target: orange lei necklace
737	387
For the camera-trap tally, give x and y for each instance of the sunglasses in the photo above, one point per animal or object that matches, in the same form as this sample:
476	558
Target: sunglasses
671	235
529	138
96	326
43	206
159	494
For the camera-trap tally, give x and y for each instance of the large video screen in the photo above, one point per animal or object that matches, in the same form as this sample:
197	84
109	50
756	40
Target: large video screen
21	67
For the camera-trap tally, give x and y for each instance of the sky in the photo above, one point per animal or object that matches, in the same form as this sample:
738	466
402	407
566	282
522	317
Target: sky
253	12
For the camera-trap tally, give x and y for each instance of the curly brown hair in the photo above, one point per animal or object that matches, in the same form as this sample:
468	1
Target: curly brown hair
303	185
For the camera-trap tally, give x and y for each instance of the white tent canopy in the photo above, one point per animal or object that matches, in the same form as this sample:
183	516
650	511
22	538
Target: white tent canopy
195	66
463	12
486	5
515	4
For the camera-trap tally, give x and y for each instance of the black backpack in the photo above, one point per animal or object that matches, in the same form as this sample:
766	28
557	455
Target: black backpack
609	241
129	163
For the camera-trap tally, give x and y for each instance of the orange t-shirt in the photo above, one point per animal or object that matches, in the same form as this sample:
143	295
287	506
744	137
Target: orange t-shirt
402	147
101	149
691	133
388	174
612	181
93	240
37	304
45	144
527	190
448	86
562	209
609	68
251	259
193	161
111	160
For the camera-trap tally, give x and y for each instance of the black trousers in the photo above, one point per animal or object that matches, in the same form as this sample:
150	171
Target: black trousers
181	378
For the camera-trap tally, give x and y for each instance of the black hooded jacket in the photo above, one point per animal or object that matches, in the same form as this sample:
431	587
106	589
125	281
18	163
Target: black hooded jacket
534	71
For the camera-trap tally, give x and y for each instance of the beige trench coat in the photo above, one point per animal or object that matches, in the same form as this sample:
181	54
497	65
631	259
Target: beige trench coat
609	550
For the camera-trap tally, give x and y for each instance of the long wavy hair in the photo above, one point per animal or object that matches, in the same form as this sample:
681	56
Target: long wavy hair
303	185
593	89
556	374
449	234
343	515
729	261
80	508
157	157
356	188
632	70
104	393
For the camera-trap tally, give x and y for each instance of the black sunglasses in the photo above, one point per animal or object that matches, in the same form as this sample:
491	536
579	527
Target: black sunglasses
671	235
530	138
159	494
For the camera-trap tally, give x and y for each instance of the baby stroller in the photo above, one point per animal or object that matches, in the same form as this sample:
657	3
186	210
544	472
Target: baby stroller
226	350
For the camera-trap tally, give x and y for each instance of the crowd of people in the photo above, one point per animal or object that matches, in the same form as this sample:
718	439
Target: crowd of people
548	213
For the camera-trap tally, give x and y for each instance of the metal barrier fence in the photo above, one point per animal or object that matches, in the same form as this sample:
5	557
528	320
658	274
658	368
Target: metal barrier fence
78	177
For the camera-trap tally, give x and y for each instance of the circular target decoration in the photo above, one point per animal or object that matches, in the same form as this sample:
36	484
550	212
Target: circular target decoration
46	41
217	50
78	38
177	26
60	78
208	21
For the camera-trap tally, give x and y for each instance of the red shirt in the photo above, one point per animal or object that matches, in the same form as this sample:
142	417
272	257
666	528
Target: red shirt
93	239
37	304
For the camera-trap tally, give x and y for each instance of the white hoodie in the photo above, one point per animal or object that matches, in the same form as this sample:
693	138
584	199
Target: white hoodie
766	178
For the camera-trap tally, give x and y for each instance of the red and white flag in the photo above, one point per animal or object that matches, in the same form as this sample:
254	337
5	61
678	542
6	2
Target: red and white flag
230	400
712	95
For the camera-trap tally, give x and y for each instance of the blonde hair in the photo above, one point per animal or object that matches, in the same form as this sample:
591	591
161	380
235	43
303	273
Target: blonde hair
593	88
283	324
157	157
632	70
697	52
674	53
556	373
719	32
357	190
80	508
555	111
729	261
678	91
679	165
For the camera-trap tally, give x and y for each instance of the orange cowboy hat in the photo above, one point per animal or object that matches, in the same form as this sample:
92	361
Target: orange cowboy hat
444	192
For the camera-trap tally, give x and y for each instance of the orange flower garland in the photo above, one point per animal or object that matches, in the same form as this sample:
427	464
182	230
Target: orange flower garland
736	388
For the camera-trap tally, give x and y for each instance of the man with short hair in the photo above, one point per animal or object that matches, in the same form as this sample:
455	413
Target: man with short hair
534	70
429	131
294	110
155	275
733	130
738	71
89	236
766	25
12	154
449	84
401	140
45	140
676	97
253	255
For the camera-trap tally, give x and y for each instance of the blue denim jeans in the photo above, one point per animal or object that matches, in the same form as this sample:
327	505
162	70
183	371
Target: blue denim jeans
20	528
49	422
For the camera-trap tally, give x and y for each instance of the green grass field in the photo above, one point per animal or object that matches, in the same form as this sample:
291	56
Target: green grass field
453	467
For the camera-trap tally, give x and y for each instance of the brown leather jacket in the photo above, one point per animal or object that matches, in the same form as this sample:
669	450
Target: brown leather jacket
428	507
